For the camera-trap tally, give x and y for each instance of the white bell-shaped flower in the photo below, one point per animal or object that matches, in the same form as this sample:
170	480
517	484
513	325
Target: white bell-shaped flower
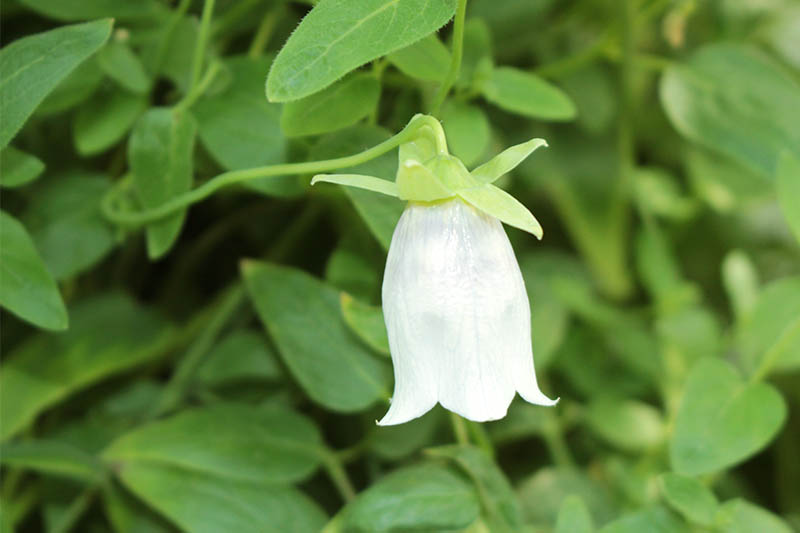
457	315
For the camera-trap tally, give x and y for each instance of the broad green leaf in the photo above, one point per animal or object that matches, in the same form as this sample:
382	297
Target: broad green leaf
108	334
27	288
338	36
689	497
342	104
781	32
201	503
772	330
740	516
722	419
366	321
658	192
66	224
527	94
176	61
467	129
380	213
122	65
127	514
52	458
506	161
303	317
160	151
593	89
31	67
240	443
18	168
396	442
692	333
574	516
522	421
499	501
359	181
659	270
241	129
425	497
788	185
722	182
723	87
654	519
627	424
105	119
477	60
92	9
427	59
740	279
498	203
355	266
73	90
542	494
242	356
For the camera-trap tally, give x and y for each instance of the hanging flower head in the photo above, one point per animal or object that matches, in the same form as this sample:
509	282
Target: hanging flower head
454	300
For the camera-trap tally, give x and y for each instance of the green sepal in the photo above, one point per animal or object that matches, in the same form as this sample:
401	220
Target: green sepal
370	183
417	183
498	203
506	161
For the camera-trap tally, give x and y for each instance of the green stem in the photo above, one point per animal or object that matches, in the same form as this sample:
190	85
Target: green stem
575	61
554	440
175	389
455	64
459	429
481	437
775	352
339	477
234	177
263	33
198	90
75	511
202	41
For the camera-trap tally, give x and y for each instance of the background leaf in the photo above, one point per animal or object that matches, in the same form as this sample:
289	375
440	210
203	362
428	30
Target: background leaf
524	93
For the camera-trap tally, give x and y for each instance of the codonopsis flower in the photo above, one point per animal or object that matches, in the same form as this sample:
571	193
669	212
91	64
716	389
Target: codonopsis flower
454	301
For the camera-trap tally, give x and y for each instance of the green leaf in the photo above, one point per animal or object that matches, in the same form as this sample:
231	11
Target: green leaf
506	161
690	498
722	182
427	59
66	223
27	288
425	497
498	203
627	424
772	330
788	185
304	319
740	516
740	279
338	36
18	168
122	65
105	119
722	420
342	104
241	129
467	129
160	151
657	192
366	321
477	60
498	498
128	514
240	443
380	213
242	356
528	95
108	334
359	181
73	90
734	100
654	519
31	67
200	503
92	9
53	458
396	442
574	516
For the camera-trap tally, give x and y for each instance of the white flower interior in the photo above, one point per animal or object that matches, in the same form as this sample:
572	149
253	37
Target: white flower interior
457	315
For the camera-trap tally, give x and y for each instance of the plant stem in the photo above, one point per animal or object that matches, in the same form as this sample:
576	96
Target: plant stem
202	41
234	177
481	437
455	63
774	353
75	510
263	33
338	475
459	429
198	90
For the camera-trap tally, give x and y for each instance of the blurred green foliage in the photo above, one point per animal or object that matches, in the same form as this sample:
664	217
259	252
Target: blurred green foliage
221	369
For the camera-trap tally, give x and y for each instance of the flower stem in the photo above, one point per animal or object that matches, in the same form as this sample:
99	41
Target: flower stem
138	218
339	477
202	41
455	64
459	429
198	90
263	33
